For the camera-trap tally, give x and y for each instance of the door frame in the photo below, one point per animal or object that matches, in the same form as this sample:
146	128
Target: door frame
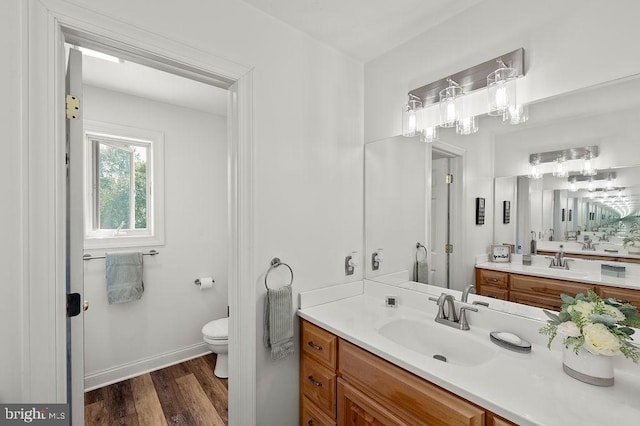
457	215
44	343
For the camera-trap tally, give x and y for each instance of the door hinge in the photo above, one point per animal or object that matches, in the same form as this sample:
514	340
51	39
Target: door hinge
449	178
448	248
72	105
73	304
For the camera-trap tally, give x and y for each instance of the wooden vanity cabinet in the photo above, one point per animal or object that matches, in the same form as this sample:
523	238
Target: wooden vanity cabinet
368	390
493	284
622	294
543	292
317	376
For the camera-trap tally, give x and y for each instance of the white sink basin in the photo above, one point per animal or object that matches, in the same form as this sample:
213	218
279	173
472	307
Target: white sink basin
431	339
555	272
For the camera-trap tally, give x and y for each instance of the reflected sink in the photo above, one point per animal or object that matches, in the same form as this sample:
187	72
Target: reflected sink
432	339
555	272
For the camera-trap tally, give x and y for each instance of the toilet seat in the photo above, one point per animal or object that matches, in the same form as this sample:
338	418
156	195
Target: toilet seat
217	330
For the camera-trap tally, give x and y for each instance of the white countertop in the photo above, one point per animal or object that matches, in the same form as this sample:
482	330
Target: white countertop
584	271
574	247
528	389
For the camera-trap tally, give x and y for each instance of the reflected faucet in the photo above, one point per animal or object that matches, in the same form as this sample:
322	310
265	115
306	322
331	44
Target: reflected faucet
558	261
465	293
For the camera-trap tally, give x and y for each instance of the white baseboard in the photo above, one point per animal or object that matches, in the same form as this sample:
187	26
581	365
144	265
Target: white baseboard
132	369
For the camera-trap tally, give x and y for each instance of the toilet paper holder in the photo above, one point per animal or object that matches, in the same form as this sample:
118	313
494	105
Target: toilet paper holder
198	283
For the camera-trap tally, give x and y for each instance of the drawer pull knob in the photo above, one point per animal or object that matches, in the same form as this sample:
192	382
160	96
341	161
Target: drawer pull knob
314	346
314	382
310	422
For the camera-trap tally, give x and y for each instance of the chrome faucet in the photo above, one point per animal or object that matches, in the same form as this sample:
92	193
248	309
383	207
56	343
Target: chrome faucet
558	261
589	245
450	317
465	293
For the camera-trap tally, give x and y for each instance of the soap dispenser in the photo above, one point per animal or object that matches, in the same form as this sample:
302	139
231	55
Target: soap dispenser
534	249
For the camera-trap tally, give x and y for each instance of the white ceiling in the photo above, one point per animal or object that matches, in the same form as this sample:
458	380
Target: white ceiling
138	80
363	29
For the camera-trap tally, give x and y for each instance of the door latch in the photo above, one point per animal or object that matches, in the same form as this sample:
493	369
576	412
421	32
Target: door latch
74	307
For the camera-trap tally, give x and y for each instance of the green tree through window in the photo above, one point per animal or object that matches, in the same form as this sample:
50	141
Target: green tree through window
121	185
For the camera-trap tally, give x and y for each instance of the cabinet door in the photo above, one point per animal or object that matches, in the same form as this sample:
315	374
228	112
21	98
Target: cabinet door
357	409
547	287
622	294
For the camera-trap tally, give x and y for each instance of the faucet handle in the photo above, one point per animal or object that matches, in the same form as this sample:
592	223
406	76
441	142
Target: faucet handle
464	325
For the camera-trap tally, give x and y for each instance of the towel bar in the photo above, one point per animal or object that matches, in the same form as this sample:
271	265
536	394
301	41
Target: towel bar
275	262
89	256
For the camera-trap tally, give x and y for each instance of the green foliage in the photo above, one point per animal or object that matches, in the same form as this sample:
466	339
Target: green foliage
115	189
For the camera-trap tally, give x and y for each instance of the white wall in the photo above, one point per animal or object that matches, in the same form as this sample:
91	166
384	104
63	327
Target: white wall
12	213
395	190
166	322
308	135
568	45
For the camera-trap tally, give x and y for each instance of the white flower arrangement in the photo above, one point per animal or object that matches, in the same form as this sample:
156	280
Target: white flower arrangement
601	326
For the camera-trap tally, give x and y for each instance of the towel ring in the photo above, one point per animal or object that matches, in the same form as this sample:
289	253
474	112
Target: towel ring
418	247
275	262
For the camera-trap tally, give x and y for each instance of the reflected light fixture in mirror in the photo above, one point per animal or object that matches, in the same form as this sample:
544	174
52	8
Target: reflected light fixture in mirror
516	114
430	134
560	160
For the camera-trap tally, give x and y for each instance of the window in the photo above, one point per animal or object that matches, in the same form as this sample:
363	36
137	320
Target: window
123	186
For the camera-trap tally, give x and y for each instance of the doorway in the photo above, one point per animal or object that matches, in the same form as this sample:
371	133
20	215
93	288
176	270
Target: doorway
51	24
444	219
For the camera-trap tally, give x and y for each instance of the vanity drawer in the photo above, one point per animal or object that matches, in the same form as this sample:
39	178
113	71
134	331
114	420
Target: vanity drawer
539	301
312	416
412	399
318	384
318	344
493	278
622	294
547	287
493	292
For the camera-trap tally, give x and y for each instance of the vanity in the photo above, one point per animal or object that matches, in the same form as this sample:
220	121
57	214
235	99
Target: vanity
363	363
541	287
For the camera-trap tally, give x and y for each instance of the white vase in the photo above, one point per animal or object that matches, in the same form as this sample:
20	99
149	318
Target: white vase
587	367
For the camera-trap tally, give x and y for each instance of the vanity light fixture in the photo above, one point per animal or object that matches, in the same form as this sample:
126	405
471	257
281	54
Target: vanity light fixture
534	169
450	104
590	185
561	159
572	184
430	134
560	168
502	89
410	116
589	163
453	92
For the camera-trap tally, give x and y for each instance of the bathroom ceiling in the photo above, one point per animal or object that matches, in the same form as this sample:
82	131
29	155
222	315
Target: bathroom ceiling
363	29
138	80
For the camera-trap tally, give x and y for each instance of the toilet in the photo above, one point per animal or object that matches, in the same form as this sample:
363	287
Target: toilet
216	335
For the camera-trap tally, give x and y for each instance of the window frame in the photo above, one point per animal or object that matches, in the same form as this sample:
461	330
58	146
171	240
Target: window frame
153	235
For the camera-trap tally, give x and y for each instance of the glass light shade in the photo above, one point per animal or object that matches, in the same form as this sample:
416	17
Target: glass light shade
450	105
589	166
502	90
572	186
610	182
560	168
411	118
516	114
534	171
467	125
591	185
430	134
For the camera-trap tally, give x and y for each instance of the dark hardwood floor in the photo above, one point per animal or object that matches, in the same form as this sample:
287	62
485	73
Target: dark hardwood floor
183	394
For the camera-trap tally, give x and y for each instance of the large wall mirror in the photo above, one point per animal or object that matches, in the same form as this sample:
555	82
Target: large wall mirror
409	203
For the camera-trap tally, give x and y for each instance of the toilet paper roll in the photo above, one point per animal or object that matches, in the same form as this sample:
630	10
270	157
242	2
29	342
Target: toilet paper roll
205	283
